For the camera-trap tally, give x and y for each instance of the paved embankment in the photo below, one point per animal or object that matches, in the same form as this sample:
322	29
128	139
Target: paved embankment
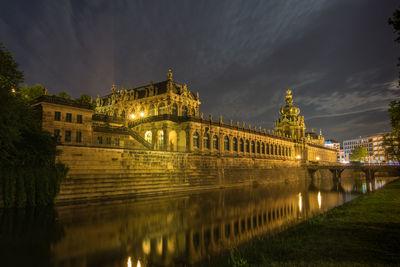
365	231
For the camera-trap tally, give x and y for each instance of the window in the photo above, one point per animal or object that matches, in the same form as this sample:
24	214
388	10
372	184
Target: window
195	140
262	148
162	109
253	147
57	135
241	145
68	118
57	116
174	109
184	111
78	137
280	151
115	114
247	146
117	141
215	142
258	147
234	144
226	143
108	140
67	136
276	150
79	118
206	140
148	136
151	110
193	112
99	140
123	114
267	149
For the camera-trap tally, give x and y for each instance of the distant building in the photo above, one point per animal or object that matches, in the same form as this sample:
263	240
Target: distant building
336	145
373	144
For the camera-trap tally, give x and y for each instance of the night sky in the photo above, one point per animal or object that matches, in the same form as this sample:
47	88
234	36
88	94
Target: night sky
338	57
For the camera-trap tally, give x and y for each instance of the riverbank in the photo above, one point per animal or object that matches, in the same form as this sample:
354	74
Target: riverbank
365	231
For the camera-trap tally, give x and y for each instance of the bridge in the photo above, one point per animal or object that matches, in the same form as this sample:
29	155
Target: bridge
337	169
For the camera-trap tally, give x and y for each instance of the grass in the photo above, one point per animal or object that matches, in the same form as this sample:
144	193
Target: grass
365	231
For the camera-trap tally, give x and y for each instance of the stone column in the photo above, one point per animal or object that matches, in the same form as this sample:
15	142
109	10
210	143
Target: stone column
189	135
201	141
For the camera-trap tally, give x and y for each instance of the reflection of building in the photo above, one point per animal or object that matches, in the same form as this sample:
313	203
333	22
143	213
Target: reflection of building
184	229
373	144
165	116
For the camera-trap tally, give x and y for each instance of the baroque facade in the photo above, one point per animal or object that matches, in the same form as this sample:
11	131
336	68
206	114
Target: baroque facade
165	116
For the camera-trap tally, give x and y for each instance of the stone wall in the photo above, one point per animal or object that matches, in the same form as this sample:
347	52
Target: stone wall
101	173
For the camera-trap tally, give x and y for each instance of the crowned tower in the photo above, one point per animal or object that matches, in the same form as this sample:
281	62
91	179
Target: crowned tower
291	124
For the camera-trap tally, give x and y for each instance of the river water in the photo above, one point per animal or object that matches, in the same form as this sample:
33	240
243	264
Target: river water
166	230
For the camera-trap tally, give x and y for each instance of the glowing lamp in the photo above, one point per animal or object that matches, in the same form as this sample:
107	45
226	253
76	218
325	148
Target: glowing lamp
317	158
298	157
13	90
141	114
132	116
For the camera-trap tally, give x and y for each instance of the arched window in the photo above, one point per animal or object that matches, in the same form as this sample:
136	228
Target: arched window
280	151
234	144
123	114
132	112
162	109
193	112
195	140
258	147
226	143
253	147
115	114
262	148
286	151
215	142
151	110
206	140
184	111
247	146
161	139
141	112
241	145
267	149
276	150
174	109
272	149
148	136
290	152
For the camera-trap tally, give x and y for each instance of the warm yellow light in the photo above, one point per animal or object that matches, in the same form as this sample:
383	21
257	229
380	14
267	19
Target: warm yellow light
317	158
319	199
300	202
141	114
298	157
138	263
13	90
129	263
132	116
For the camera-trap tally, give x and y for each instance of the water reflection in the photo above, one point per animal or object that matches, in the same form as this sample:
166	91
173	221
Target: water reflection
169	230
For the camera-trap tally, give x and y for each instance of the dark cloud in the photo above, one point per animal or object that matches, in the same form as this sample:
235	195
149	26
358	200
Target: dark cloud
338	56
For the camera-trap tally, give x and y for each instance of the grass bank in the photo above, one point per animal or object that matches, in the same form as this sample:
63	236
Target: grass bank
365	231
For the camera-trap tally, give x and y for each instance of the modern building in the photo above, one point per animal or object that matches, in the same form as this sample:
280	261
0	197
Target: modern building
336	145
374	146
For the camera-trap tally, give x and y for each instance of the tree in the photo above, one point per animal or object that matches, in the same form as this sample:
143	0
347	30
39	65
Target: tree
32	92
395	22
391	141
358	154
84	98
64	95
29	174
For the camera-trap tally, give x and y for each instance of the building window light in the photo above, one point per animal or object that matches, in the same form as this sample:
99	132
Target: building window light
141	114
132	116
298	157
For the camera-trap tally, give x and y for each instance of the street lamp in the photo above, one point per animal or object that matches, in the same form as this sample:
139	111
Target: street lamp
132	116
298	157
141	114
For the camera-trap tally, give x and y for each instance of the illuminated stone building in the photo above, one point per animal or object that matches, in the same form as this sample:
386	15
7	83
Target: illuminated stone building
165	116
